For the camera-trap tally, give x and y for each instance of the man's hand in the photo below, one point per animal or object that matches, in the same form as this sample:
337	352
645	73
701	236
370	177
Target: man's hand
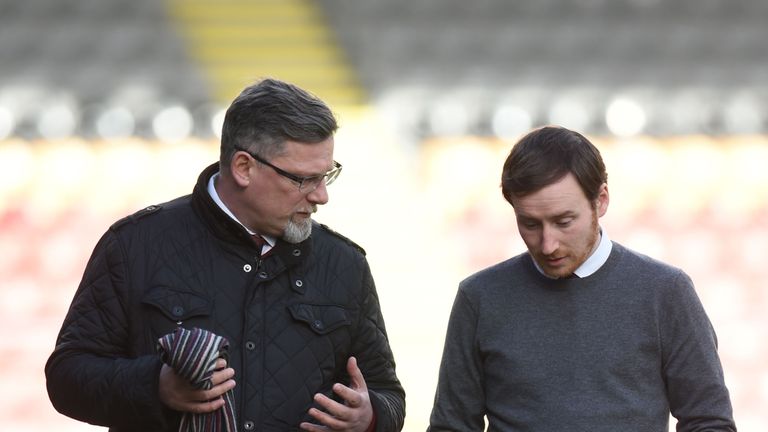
354	415
178	394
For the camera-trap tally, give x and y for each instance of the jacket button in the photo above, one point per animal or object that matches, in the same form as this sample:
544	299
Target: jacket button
296	252
250	345
299	283
263	275
247	268
248	425
317	324
177	311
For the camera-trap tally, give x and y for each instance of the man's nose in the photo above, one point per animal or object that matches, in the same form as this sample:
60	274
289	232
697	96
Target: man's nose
549	240
319	195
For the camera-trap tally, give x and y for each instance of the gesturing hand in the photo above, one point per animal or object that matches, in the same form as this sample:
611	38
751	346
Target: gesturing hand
354	415
178	394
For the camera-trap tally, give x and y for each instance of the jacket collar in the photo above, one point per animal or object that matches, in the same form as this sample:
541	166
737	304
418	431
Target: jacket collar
226	229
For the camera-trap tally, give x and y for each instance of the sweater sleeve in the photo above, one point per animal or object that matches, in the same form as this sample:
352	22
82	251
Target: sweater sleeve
696	390
89	374
460	399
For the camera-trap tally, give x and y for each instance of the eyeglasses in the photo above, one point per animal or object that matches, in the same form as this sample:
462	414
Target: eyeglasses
306	184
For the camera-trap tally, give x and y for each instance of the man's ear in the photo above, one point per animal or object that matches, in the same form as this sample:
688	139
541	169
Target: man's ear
602	201
240	168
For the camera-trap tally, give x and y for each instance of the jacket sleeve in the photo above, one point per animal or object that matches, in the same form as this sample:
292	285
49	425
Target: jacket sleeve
90	376
460	398
376	361
696	390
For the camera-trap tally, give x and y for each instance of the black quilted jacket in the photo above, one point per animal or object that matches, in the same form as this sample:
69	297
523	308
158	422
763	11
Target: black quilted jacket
292	319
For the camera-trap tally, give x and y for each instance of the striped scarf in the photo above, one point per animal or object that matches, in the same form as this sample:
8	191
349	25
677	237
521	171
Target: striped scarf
192	354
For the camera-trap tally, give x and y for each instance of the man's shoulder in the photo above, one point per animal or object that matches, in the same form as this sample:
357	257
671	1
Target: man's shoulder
324	233
499	273
633	260
153	214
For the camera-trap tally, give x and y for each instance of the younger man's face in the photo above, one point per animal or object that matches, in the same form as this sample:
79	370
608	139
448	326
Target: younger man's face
559	225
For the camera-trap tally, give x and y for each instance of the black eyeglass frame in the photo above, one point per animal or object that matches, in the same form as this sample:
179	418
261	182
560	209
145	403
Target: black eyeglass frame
329	176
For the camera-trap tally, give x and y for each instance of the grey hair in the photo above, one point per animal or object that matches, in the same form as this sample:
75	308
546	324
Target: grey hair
267	114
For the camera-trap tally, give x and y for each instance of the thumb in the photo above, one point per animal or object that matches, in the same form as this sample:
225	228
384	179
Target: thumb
357	381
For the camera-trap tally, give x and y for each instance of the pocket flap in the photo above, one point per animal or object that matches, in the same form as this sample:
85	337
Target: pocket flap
321	319
177	305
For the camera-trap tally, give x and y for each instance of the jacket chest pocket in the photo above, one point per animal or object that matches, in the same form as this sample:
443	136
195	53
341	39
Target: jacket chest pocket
168	308
322	319
323	330
317	344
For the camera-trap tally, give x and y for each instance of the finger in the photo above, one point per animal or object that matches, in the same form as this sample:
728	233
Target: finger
357	381
352	398
220	363
214	392
204	407
220	376
333	408
328	420
312	427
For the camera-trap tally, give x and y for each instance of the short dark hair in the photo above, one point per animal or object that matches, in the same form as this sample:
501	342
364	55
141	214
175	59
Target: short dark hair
270	112
546	155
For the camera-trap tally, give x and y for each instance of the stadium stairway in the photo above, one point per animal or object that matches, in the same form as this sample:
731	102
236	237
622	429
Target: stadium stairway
240	41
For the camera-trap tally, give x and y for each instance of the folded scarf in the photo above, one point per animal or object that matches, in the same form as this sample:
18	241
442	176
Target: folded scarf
193	354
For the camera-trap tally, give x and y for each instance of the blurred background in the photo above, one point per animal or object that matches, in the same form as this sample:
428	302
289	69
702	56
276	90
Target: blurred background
107	106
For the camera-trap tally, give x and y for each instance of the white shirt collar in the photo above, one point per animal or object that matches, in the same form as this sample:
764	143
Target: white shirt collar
215	196
594	262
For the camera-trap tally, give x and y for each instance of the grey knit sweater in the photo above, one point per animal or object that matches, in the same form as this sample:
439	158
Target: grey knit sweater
615	351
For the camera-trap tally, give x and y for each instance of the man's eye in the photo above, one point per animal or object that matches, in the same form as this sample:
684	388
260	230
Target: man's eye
564	222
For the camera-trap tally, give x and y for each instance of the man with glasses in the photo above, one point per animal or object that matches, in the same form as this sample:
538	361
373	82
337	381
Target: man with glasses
238	268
